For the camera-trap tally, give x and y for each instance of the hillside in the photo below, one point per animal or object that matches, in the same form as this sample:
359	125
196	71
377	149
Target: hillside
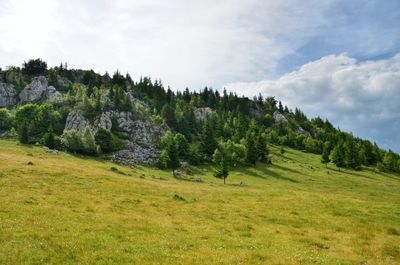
61	208
142	122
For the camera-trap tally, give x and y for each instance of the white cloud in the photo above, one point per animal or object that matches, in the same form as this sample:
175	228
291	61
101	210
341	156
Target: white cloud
185	43
362	97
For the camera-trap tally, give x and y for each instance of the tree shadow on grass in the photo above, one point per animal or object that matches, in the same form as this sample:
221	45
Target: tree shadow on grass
267	173
349	172
294	171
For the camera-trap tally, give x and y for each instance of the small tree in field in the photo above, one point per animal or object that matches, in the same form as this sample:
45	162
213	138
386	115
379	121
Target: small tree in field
221	160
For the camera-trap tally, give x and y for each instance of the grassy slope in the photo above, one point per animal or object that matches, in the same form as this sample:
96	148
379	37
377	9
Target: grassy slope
66	209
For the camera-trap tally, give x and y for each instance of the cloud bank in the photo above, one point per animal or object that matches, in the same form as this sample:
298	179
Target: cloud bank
211	43
185	43
361	97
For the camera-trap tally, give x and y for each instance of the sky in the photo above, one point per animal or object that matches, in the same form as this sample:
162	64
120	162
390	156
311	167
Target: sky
337	59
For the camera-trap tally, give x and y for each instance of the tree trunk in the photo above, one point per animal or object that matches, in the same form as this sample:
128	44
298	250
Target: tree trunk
224	181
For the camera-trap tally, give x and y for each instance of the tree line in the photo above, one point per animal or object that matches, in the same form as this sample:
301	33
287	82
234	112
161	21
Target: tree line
232	131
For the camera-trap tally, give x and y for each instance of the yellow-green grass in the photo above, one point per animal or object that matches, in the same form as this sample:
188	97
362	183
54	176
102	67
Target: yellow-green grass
66	209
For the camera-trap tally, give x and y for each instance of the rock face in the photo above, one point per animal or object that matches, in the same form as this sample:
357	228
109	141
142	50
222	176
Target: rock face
8	95
76	121
202	113
142	137
38	90
279	117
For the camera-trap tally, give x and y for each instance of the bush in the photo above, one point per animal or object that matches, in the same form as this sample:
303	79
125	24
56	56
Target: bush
52	141
5	120
89	143
72	140
104	139
80	143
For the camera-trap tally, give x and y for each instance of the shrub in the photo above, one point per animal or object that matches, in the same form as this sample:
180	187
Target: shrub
5	120
105	140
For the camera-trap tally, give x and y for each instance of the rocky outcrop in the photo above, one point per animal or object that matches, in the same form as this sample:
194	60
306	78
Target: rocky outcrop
136	154
143	137
63	81
202	113
8	95
279	117
38	90
76	121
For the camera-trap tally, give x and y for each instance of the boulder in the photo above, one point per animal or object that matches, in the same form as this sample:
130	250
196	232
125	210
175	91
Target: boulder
51	93
279	117
38	90
8	95
76	121
63	81
202	113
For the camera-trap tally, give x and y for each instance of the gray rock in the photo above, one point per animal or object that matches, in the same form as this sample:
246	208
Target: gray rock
51	93
76	121
279	117
202	113
38	90
34	91
62	81
8	95
143	137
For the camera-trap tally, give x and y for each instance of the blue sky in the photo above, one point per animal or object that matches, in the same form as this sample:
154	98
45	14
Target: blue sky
334	58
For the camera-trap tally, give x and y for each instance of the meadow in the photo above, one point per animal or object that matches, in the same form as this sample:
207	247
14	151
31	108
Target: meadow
66	209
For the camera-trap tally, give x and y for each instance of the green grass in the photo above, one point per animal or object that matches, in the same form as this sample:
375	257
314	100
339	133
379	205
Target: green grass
65	209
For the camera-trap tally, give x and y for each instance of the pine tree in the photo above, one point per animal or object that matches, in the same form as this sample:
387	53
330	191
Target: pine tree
337	155
251	150
325	154
170	153
262	150
23	133
104	139
221	158
351	155
222	171
207	140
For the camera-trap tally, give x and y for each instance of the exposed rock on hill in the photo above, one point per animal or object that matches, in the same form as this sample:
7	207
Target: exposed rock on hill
202	113
8	95
143	137
38	90
279	117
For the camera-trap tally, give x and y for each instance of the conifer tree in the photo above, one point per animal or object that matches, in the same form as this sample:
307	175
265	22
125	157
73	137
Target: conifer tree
262	150
251	148
170	153
207	140
351	156
325	154
337	155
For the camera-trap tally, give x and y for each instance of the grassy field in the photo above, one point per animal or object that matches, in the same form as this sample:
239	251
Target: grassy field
65	209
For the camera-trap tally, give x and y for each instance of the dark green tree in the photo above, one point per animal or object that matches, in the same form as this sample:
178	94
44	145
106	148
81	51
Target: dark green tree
221	158
251	148
325	154
34	67
207	140
262	149
104	139
337	155
170	153
351	156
